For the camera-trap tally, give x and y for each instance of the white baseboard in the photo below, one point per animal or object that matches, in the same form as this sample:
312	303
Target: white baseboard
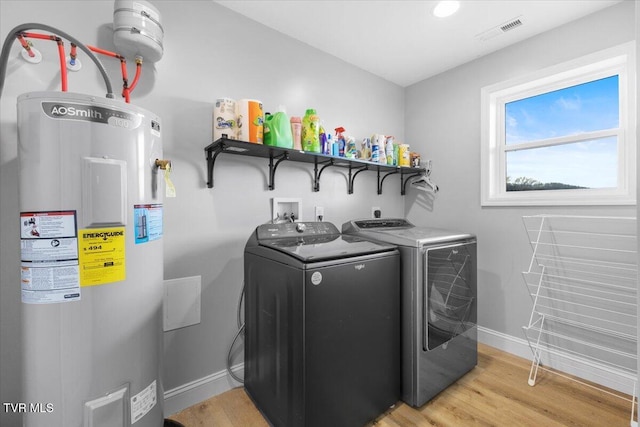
504	342
564	363
186	395
179	398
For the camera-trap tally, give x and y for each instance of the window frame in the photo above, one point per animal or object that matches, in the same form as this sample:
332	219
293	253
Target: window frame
619	60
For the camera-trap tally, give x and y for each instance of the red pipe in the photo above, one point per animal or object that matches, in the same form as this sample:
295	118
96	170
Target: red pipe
123	67
125	80
137	76
63	62
25	45
41	36
63	65
104	52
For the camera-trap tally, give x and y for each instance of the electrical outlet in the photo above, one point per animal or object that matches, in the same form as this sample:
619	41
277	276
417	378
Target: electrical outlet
376	212
319	213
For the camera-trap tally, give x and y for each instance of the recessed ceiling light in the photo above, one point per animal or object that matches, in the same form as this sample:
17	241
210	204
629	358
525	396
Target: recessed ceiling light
446	8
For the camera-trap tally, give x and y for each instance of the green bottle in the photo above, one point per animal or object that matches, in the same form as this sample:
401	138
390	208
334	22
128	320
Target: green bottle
311	131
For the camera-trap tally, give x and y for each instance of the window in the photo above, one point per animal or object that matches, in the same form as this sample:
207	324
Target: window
563	136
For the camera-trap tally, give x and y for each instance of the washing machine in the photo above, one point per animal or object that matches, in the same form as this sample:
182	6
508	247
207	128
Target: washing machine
322	318
439	303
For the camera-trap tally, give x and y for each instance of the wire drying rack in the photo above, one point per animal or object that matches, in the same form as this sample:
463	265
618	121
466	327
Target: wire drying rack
583	280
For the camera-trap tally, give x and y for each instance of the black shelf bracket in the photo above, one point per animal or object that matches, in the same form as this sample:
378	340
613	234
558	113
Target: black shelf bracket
212	151
277	155
405	179
380	181
352	176
272	167
317	173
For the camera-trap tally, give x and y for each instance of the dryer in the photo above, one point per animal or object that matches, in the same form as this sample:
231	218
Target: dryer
322	316
439	303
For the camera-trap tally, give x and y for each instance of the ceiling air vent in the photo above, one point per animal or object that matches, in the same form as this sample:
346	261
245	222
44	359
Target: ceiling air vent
500	29
511	25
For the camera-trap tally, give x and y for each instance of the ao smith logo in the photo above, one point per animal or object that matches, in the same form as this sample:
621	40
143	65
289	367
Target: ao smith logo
91	113
61	110
103	235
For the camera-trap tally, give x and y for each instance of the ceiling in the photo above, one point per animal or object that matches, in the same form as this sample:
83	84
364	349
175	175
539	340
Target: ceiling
400	40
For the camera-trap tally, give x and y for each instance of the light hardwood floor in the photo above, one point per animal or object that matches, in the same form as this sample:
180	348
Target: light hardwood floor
494	393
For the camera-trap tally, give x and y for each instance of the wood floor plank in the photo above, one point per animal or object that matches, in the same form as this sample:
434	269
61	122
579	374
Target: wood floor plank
494	393
551	391
492	405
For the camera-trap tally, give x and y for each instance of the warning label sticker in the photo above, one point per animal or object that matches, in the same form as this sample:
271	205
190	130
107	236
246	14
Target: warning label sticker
143	402
49	257
102	255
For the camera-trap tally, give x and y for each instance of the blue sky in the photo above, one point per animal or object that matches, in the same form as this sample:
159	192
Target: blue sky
587	107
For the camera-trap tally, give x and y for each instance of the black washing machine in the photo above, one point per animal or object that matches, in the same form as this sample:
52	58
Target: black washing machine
322	316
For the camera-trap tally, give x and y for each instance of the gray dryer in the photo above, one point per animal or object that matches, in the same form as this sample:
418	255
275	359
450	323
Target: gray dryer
439	303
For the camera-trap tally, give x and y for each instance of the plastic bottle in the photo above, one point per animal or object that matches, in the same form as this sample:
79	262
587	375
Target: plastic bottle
322	135
328	146
389	151
340	140
404	155
375	151
366	149
311	131
396	156
296	131
335	148
351	150
277	129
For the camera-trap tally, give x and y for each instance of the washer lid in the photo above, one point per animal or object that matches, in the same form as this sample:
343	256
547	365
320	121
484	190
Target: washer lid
327	247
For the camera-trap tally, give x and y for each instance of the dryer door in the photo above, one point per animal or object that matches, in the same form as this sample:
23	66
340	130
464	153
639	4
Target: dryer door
449	292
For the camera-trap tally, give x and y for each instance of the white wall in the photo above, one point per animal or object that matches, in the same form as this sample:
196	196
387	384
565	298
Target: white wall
210	52
443	121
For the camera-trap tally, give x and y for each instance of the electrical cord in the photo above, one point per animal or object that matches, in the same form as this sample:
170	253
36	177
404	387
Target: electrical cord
231	373
241	326
239	320
6	47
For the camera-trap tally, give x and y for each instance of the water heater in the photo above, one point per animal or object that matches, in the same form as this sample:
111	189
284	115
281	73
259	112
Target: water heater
91	261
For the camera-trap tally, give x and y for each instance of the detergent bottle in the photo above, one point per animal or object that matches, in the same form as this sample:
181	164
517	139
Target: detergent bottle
277	130
311	131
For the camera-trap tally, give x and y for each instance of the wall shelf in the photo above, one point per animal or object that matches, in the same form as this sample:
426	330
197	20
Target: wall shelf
582	280
320	162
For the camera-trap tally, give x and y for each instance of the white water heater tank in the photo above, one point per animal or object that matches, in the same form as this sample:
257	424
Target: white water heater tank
91	261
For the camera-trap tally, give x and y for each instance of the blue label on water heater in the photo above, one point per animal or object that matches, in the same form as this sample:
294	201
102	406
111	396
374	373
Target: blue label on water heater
147	220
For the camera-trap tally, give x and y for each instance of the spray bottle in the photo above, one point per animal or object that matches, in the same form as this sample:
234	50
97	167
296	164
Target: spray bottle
340	140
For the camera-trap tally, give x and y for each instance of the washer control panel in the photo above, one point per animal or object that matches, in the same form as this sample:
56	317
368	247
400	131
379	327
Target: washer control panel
295	229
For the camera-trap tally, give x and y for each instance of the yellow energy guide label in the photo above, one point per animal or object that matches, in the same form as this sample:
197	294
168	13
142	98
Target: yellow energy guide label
102	255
